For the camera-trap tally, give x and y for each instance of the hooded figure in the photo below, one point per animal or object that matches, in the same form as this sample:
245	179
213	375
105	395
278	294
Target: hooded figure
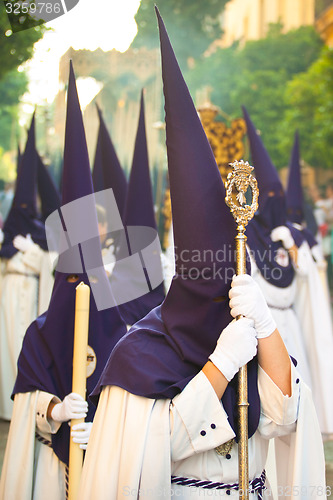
28	280
311	304
22	218
273	250
138	212
294	198
159	401
107	171
108	174
43	402
47	190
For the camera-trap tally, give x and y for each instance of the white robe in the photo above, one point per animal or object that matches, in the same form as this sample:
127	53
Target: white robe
281	302
137	443
26	291
31	470
313	311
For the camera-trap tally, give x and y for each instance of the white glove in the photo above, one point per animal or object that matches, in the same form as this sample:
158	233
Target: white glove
248	300
2	236
73	406
80	434
236	346
23	243
282	233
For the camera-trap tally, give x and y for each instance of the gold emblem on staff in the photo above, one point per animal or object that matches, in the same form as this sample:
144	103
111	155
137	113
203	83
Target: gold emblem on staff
241	178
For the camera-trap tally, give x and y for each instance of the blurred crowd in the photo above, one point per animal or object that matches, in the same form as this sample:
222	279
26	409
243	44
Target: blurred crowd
320	199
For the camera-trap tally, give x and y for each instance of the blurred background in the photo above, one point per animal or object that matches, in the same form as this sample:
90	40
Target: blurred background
273	56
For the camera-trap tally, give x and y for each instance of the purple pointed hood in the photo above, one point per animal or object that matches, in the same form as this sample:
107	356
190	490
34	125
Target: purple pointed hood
294	192
47	190
271	213
270	186
139	211
22	217
166	349
45	361
294	198
107	171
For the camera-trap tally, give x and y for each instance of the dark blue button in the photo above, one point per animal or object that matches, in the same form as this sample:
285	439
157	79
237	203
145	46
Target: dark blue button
228	492
228	456
297	381
203	433
213	426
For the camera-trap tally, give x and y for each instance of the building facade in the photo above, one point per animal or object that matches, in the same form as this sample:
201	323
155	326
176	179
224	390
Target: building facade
245	20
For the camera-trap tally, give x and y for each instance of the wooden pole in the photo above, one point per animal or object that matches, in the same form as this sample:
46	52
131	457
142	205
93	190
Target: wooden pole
81	328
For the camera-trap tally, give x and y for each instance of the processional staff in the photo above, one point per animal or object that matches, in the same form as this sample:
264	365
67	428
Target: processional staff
81	329
241	178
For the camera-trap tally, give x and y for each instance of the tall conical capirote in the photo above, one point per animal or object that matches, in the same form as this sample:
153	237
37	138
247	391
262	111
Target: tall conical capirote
269	183
47	190
107	171
22	217
294	191
45	361
165	350
271	213
295	200
139	212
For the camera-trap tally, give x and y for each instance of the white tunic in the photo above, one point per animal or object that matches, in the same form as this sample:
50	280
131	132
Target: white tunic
313	311
26	291
137	443
281	303
31	470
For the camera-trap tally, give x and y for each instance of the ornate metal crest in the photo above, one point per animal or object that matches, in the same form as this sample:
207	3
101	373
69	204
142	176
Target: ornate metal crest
241	177
225	448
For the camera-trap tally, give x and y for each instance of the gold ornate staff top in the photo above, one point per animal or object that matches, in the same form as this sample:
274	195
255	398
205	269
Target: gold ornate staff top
241	178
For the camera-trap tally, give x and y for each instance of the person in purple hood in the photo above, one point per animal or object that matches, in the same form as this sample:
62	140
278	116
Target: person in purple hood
27	281
166	421
37	451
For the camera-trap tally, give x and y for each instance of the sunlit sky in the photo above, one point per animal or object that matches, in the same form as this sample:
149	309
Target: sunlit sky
91	24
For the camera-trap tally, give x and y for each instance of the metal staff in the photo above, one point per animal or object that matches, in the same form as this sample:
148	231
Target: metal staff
81	328
242	179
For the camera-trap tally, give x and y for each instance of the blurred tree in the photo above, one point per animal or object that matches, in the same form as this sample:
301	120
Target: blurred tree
192	26
12	86
309	101
256	76
15	48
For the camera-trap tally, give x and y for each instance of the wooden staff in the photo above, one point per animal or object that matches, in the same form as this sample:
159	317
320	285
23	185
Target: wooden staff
81	327
241	178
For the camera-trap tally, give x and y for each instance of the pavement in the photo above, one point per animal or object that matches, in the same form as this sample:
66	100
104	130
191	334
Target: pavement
328	447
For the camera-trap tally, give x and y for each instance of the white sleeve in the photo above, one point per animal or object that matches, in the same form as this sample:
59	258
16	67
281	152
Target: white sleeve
198	420
43	424
278	412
